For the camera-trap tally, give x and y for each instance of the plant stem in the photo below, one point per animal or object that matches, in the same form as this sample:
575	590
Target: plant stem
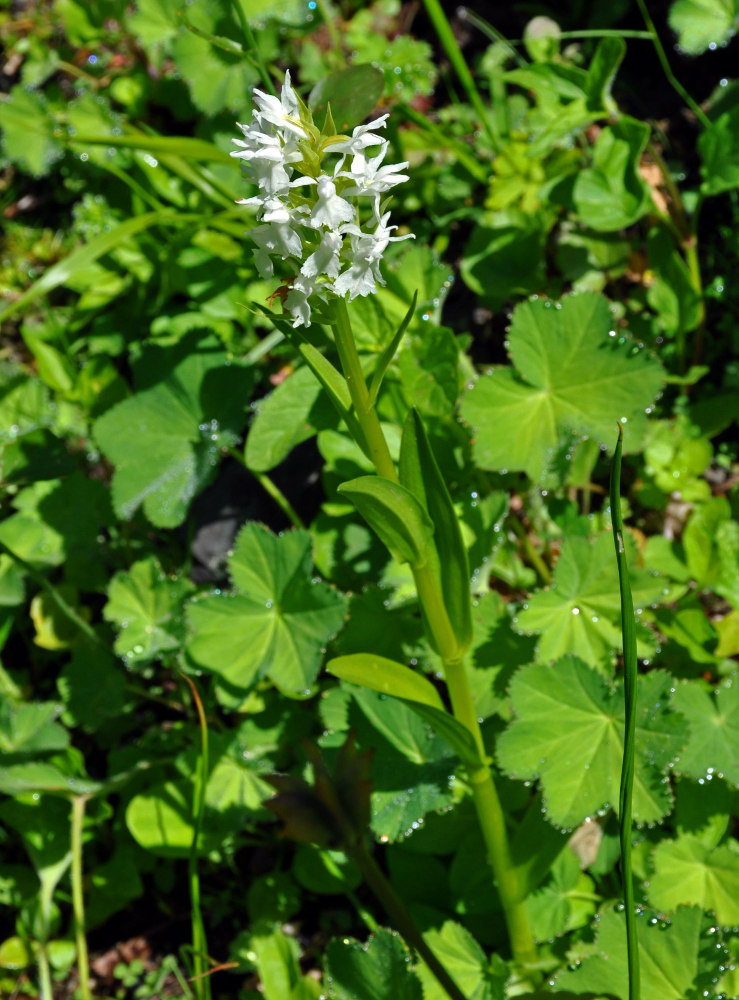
487	803
66	609
363	408
397	911
667	69
78	902
328	17
252	49
199	943
533	555
46	987
630	685
274	491
446	37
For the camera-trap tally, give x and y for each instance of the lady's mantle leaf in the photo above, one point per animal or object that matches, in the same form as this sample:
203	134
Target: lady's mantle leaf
478	977
687	871
714	731
570	375
678	958
372	971
569	733
277	621
580	613
165	440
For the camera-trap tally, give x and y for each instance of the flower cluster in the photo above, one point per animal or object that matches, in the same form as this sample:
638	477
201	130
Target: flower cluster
311	216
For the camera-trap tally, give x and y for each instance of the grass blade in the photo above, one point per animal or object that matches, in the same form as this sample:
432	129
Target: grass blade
627	768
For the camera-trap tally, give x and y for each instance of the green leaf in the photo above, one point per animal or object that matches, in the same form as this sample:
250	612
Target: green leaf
568	732
411	764
678	958
672	295
610	194
601	73
276	957
718	146
283	420
93	687
388	353
429	371
27	137
700	23
352	93
465	961
713	747
419	472
29	729
580	612
504	257
385	676
395	514
79	260
275	623
686	871
379	969
159	820
147	607
165	440
570	376
562	903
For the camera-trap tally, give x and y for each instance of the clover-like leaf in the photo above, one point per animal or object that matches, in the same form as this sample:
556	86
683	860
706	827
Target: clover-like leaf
572	375
568	732
275	623
147	607
714	730
679	958
165	440
580	612
700	23
687	871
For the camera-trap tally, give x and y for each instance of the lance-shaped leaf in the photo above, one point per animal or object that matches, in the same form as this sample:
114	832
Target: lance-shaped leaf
570	376
277	621
568	732
395	514
420	473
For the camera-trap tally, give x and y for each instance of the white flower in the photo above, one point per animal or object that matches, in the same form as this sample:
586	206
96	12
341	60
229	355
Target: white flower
297	301
366	252
278	238
372	179
360	139
283	113
268	160
330	208
325	258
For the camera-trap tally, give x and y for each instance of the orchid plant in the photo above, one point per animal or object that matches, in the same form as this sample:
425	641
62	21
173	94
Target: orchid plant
330	225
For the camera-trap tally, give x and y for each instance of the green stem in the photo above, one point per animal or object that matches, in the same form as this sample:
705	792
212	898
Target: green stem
531	551
199	942
272	489
78	902
667	69
252	49
361	400
396	910
329	20
459	63
66	609
487	803
630	689
46	987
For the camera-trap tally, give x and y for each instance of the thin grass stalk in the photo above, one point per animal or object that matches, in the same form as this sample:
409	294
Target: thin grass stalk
446	36
199	942
78	901
628	632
